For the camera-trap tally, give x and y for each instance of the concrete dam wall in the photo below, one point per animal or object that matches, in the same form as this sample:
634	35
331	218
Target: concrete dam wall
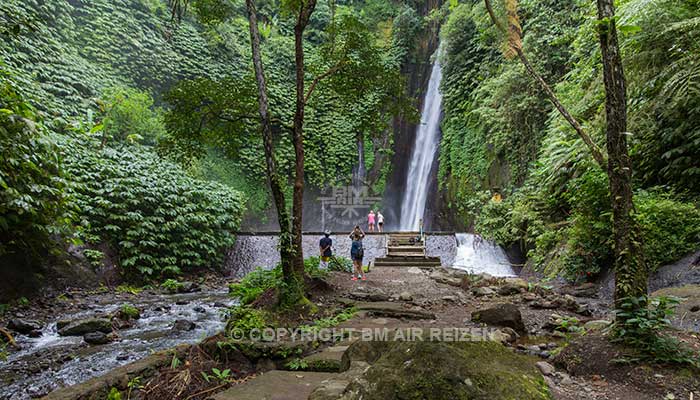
261	250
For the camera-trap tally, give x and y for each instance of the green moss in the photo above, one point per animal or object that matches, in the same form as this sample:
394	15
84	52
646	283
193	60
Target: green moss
450	371
128	311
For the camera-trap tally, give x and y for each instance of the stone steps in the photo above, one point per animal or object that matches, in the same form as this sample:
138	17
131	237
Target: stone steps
277	385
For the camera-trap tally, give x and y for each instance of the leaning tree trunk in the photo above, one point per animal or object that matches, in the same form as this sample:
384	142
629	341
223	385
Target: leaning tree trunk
631	276
286	249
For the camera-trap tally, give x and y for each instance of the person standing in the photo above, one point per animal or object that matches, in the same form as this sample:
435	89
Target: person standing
370	220
326	252
380	221
357	253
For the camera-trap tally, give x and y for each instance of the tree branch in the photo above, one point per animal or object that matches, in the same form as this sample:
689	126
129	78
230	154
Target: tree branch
332	70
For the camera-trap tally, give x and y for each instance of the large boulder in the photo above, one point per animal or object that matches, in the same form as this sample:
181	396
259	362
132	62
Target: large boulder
83	326
23	326
184	325
507	315
447	371
96	338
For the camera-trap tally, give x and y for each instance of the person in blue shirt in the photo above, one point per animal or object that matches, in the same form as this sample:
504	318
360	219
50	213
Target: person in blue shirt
357	253
325	248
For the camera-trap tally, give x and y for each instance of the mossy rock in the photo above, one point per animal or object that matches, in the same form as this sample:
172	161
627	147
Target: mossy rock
450	371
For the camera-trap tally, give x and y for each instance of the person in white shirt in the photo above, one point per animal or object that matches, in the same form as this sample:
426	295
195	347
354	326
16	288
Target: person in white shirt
380	221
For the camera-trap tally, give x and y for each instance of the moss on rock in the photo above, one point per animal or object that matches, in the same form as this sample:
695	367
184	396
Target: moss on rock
450	371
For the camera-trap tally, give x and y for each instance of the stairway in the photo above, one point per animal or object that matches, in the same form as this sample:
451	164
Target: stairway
406	249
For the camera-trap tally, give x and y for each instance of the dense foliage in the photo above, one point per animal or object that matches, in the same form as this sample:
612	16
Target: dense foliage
32	196
501	135
158	220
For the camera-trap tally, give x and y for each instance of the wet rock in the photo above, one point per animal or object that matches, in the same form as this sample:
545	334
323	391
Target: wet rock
509	289
96	338
184	325
405	296
694	308
483	291
506	315
181	302
445	278
545	368
199	309
83	326
219	304
34	334
122	357
190	287
596	325
23	326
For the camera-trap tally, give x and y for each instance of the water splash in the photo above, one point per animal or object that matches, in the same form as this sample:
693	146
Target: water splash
423	156
477	255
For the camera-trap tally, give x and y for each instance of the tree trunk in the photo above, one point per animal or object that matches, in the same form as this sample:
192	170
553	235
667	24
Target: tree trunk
306	8
286	249
631	276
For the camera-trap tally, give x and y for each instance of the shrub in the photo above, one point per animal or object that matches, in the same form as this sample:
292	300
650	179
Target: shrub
640	325
158	220
128	311
255	284
244	319
128	115
171	285
32	186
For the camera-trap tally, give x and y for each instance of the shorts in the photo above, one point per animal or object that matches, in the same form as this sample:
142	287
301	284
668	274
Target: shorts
325	258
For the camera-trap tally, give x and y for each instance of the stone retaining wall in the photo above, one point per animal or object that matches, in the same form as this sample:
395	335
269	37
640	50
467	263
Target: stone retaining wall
261	250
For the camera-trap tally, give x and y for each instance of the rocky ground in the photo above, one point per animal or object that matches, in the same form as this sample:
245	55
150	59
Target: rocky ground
559	333
554	325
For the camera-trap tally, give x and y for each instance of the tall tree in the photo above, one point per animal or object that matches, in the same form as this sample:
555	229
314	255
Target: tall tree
631	274
276	186
304	10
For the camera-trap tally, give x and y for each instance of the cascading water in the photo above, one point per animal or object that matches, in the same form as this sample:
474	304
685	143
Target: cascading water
424	150
477	255
358	173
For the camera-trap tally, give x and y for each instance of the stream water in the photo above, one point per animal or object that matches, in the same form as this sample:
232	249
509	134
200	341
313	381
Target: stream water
51	361
478	255
424	151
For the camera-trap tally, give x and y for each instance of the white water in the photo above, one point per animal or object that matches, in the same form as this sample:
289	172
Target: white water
423	157
477	256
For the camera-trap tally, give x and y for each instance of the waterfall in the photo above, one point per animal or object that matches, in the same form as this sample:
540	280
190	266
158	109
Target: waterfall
477	255
423	156
358	173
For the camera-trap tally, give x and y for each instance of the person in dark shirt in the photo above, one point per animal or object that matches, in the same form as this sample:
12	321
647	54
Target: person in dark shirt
326	252
357	253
